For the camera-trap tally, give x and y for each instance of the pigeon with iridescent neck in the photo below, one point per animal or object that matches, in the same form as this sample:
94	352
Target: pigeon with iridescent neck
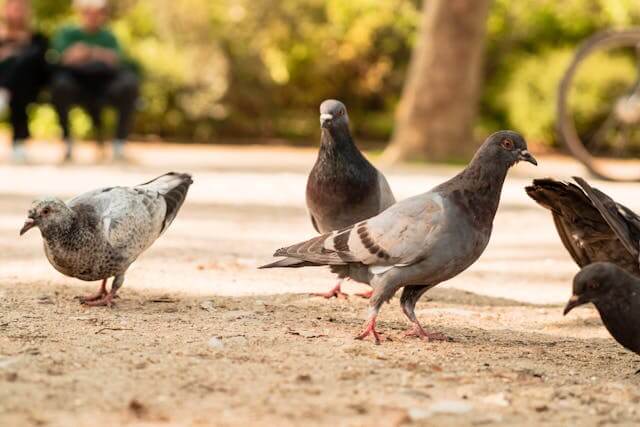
343	187
422	241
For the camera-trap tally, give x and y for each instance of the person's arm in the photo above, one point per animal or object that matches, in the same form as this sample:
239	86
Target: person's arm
12	42
76	54
102	54
109	51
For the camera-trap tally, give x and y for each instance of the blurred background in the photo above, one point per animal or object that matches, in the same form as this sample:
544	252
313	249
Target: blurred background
238	71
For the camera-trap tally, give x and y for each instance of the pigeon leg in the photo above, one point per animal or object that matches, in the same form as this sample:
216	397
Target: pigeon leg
408	300
370	327
94	297
381	293
334	292
107	299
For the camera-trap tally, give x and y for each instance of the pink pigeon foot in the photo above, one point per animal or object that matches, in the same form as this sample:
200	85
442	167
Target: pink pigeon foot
418	332
335	292
106	300
366	294
370	329
98	296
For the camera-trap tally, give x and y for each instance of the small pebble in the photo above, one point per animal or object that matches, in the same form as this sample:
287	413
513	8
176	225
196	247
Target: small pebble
215	343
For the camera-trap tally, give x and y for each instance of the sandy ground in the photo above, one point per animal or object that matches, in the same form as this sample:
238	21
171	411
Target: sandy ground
200	337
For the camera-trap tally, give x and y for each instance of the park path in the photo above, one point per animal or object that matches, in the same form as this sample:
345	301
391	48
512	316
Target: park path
249	200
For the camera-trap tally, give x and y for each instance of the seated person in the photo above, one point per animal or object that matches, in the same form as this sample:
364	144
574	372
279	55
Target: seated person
23	69
91	73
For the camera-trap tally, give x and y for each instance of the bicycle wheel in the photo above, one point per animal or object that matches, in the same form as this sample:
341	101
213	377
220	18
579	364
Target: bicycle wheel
599	105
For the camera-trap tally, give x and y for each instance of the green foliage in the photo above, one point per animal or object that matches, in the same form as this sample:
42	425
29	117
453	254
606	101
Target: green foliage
530	93
529	46
261	68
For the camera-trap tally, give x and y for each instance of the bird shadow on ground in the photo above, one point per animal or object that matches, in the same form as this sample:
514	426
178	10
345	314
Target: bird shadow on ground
456	296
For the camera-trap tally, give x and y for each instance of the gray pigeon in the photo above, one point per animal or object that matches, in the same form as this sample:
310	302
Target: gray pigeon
99	234
616	295
343	187
421	241
591	225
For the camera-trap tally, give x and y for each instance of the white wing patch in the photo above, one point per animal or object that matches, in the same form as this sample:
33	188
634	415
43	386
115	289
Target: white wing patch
106	224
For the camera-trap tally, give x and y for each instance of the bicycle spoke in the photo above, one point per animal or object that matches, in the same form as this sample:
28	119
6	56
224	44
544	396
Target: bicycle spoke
595	142
621	148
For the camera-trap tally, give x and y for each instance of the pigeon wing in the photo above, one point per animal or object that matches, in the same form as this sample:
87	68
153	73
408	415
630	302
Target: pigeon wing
612	215
577	221
398	236
128	217
386	195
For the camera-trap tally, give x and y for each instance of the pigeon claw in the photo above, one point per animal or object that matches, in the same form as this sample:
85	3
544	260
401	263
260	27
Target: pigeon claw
102	292
104	301
419	332
93	297
334	292
370	329
366	294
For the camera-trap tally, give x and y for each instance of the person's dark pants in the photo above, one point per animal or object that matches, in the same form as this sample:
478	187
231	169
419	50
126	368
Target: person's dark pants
23	76
93	93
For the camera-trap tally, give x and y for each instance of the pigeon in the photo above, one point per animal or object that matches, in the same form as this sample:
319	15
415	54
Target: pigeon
616	294
421	241
591	225
343	187
99	234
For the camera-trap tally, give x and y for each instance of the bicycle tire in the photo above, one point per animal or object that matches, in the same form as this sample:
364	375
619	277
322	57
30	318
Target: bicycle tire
565	125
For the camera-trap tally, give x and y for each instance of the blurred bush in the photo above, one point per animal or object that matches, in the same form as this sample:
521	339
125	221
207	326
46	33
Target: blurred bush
530	44
245	68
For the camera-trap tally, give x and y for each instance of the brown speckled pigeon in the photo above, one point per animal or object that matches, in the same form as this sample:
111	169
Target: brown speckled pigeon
591	225
99	234
421	241
343	187
616	295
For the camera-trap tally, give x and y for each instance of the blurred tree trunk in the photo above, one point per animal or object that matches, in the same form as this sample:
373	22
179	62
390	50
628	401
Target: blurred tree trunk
434	120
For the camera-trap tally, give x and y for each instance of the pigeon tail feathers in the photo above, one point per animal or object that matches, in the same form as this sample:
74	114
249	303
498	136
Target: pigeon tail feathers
609	212
173	187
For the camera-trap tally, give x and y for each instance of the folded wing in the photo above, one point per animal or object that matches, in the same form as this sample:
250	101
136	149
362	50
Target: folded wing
398	236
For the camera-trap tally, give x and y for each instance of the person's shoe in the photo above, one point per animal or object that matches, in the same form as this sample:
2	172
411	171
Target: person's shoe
68	154
5	96
102	155
19	154
118	151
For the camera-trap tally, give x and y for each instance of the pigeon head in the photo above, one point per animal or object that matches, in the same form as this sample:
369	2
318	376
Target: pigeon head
333	116
506	148
593	283
46	213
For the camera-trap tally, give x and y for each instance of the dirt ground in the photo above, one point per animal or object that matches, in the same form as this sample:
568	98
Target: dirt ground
200	337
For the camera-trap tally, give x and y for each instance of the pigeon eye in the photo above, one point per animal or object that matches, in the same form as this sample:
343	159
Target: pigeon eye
592	285
46	211
507	144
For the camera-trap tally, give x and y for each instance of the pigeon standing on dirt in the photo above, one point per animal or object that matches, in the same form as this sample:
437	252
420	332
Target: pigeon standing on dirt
99	234
591	225
421	241
616	295
343	187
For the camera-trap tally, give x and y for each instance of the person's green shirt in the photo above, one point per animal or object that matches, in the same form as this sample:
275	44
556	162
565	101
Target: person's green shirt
71	35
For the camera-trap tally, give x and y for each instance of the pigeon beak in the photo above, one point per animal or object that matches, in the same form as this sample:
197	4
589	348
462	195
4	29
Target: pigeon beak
325	120
574	302
527	157
28	225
